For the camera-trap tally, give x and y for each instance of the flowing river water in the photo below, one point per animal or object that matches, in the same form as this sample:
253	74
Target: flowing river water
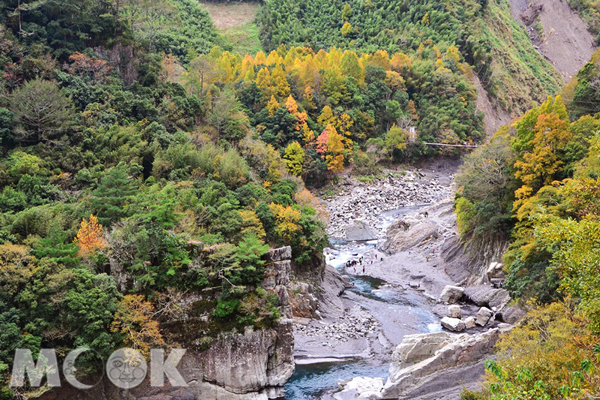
320	380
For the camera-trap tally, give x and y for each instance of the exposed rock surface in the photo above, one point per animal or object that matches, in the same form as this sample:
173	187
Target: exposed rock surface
451	294
446	350
467	265
332	286
360	230
453	324
510	314
408	233
483	316
361	388
420	358
454	311
495	271
470	322
253	365
416	348
250	365
563	38
449	383
486	296
249	362
303	300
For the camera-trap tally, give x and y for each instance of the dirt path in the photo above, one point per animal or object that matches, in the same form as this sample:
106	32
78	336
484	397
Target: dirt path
228	15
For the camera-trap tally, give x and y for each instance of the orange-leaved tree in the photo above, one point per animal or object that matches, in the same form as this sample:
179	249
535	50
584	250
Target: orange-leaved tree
89	238
330	144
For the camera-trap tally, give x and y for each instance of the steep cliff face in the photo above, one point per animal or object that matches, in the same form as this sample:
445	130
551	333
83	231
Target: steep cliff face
468	263
252	365
249	365
557	32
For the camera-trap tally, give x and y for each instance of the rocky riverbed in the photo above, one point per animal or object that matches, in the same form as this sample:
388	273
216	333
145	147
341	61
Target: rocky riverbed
345	328
360	210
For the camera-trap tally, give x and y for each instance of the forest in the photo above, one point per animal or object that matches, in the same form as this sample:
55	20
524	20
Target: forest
329	109
484	31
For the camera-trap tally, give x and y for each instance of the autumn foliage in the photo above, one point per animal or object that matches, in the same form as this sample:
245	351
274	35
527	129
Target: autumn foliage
90	236
134	321
287	221
331	102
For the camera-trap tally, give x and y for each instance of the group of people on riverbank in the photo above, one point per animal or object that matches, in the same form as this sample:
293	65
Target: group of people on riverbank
361	262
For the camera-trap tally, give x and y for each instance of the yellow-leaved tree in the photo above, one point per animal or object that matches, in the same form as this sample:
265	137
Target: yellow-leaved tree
287	221
294	158
538	167
331	145
133	320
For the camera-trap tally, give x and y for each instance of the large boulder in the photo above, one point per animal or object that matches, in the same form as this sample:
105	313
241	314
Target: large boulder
470	322
487	296
495	271
451	294
483	316
450	351
416	348
408	233
360	230
454	311
361	388
453	324
511	314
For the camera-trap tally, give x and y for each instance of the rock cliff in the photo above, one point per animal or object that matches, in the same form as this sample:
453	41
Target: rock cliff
249	365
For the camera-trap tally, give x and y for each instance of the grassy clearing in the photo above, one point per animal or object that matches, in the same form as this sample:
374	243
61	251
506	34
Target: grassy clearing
243	39
235	23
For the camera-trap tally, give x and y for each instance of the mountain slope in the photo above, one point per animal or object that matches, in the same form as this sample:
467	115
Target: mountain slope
558	32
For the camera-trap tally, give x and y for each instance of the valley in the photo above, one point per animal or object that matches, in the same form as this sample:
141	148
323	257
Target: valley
329	199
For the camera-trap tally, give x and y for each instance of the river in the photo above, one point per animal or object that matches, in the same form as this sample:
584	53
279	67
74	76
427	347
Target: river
401	311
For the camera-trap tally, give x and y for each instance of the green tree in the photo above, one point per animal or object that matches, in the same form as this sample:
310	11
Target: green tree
395	140
294	158
350	66
346	12
41	111
6	126
227	117
112	199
